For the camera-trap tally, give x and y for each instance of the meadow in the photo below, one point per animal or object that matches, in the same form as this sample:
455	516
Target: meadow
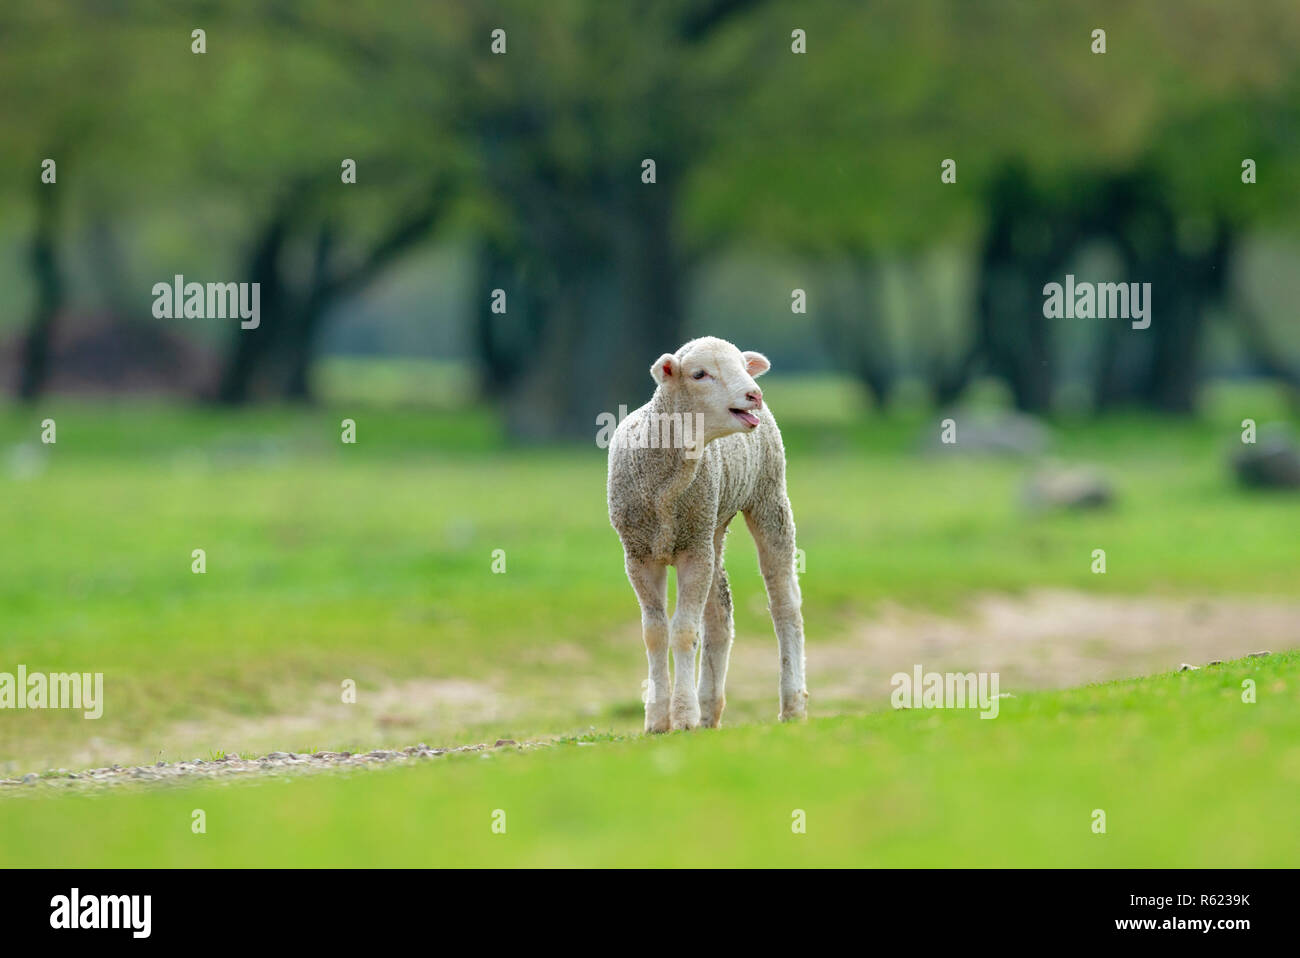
1183	772
373	562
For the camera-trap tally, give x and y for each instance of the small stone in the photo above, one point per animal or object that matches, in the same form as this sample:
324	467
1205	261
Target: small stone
1271	463
1257	655
504	741
30	777
1004	434
1188	668
1216	662
1059	487
278	755
159	764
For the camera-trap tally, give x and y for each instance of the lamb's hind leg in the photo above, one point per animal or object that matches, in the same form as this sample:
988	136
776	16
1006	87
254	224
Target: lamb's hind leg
650	581
773	531
719	631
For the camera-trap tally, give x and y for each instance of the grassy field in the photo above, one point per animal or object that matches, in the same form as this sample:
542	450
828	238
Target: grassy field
373	562
1185	772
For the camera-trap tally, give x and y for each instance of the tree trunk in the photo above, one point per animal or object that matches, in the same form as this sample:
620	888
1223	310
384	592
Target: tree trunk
307	319
251	346
610	303
854	334
48	276
504	341
1015	338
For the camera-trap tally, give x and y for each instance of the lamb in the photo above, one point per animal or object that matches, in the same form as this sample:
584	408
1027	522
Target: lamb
704	448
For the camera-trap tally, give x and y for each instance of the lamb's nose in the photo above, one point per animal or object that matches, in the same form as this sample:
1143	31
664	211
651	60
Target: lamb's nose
755	396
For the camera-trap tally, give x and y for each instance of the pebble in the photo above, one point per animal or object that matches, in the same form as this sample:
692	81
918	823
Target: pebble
230	765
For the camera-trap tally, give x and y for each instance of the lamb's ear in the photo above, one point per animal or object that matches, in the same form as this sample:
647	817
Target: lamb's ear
755	363
666	367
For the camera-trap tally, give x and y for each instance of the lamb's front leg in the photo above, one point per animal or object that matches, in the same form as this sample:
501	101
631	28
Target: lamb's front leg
650	581
694	577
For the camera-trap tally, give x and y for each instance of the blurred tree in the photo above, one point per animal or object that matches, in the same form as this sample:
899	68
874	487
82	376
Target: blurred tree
585	240
1035	123
229	160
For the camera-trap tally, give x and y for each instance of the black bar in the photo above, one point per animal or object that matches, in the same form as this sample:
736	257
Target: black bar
980	908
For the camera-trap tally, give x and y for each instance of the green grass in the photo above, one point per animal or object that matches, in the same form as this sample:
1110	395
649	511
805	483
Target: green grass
1187	774
373	561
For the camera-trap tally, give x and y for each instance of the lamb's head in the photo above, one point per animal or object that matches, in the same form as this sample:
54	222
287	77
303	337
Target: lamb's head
713	379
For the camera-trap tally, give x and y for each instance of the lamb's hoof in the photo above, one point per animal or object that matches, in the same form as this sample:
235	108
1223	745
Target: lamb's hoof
656	724
686	716
796	709
711	715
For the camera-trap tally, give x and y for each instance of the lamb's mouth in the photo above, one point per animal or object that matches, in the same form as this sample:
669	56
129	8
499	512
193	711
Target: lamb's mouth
745	416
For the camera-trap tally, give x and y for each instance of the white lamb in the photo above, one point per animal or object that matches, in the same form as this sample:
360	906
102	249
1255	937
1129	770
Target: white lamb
704	448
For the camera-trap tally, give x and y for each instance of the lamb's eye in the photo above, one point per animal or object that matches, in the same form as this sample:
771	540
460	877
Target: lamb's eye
699	374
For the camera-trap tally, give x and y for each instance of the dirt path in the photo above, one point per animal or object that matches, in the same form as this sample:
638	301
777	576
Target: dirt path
1050	639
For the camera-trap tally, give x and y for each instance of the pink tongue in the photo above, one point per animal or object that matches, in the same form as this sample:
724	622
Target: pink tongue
748	418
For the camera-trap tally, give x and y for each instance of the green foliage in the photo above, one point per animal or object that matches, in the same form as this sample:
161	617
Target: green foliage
842	144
